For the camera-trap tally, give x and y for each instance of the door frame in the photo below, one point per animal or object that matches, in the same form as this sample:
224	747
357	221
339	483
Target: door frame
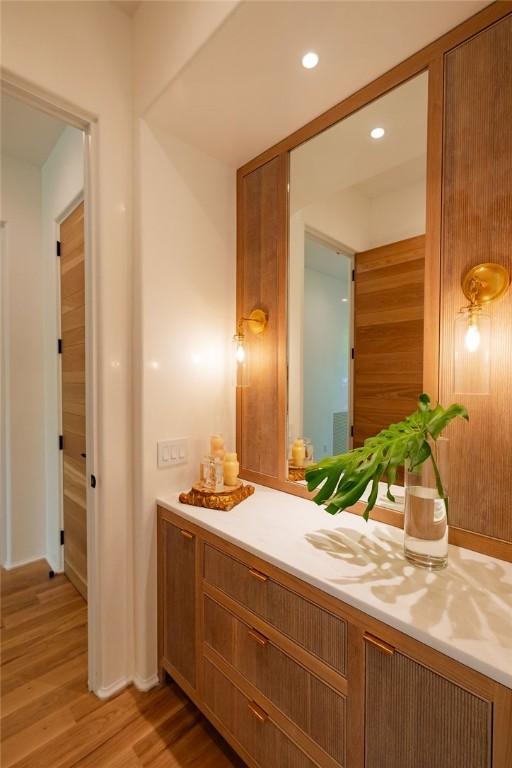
73	115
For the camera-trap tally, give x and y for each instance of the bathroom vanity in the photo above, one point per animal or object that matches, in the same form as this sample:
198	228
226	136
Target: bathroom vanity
308	640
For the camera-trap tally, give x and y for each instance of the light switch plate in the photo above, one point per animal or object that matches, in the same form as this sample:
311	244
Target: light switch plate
171	453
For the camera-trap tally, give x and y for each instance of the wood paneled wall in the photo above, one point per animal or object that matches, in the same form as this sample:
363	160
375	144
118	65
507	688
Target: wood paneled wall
477	227
388	334
261	267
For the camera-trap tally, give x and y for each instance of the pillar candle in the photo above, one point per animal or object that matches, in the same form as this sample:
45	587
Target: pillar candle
231	469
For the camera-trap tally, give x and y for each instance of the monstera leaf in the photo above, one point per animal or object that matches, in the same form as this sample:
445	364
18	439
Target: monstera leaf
343	479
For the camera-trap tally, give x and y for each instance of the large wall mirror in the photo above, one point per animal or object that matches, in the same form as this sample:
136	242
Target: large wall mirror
357	203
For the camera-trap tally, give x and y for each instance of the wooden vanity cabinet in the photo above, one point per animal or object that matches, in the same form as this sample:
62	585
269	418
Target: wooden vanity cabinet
294	678
177	600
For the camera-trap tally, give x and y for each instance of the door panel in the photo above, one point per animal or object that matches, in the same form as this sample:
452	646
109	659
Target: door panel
179	607
416	718
388	312
72	287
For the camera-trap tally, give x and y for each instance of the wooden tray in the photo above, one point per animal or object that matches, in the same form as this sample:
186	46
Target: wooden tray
224	500
295	473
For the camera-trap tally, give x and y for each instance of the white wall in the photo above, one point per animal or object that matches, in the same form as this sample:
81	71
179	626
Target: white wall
166	37
93	69
397	215
344	217
25	519
186	291
62	177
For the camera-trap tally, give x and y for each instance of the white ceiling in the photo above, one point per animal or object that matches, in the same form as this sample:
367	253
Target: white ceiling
245	89
346	156
27	133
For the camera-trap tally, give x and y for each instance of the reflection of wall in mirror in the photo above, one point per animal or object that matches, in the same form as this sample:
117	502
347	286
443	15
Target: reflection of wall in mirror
326	343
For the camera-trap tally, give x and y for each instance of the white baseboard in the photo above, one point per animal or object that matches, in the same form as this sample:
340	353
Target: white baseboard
146	683
10	566
105	692
142	684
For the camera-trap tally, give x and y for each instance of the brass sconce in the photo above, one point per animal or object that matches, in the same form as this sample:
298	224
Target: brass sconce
481	286
257	322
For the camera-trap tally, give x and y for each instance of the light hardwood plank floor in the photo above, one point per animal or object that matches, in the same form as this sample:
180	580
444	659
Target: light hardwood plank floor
48	717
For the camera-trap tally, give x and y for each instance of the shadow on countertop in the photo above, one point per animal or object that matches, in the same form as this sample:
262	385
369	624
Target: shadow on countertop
470	592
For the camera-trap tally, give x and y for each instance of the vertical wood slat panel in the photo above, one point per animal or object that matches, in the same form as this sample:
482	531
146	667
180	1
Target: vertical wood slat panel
263	740
477	227
318	631
315	707
429	722
179	617
388	320
260	285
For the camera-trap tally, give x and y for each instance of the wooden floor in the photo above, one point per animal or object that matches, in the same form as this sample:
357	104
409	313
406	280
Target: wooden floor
48	717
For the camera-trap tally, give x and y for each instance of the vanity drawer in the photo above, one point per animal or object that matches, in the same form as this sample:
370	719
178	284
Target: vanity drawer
249	724
315	629
315	707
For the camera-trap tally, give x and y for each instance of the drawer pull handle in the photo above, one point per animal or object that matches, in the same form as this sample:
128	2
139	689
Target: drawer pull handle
258	713
187	534
380	645
258	575
257	637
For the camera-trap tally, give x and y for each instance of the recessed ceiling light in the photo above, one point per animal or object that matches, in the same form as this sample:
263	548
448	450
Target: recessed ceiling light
310	60
377	133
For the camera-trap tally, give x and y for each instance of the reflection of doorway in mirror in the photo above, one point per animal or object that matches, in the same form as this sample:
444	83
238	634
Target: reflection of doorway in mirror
327	344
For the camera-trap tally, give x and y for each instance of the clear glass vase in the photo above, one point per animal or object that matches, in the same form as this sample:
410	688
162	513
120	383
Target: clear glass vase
425	519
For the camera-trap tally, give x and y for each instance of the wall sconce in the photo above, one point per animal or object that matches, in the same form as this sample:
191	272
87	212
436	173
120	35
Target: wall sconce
256	322
482	285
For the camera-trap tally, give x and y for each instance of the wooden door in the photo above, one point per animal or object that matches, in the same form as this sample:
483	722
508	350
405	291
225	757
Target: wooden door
388	330
177	553
72	294
415	718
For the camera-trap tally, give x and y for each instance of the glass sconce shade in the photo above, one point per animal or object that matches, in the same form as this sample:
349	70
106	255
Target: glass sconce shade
240	360
472	344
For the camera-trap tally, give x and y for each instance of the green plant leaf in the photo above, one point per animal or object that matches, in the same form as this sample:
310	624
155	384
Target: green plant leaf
342	480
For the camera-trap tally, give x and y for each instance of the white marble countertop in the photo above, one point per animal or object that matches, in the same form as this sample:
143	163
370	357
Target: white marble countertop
464	611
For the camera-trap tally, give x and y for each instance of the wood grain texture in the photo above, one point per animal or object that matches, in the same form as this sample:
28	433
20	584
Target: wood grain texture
417	719
72	308
305	699
388	331
316	630
179	607
250	726
49	719
477	227
261	284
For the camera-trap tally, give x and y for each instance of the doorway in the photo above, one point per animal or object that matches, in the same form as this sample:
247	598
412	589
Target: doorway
47	432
